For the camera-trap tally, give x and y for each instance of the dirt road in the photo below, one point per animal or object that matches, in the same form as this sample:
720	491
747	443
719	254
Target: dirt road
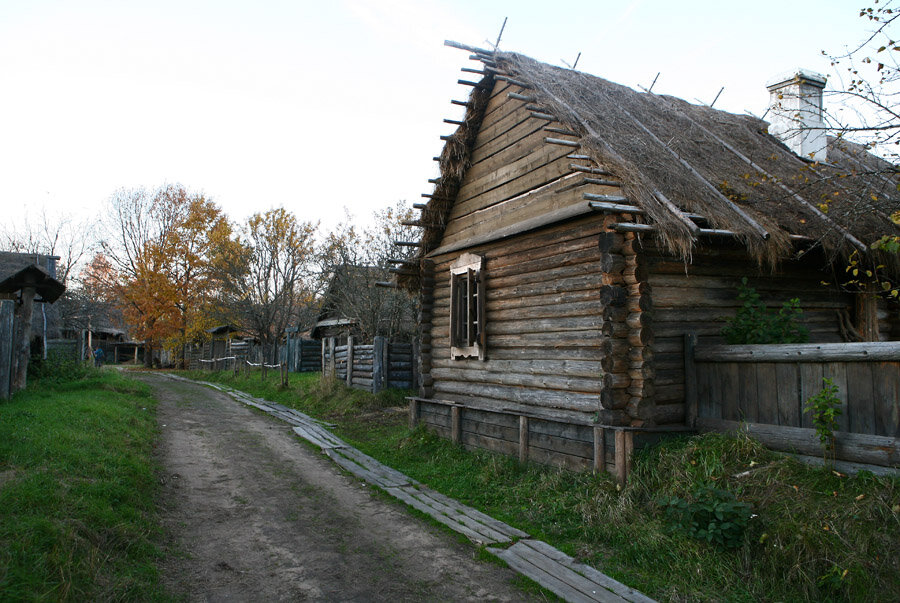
253	514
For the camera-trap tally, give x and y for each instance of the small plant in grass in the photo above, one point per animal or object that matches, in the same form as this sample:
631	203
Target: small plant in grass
825	408
754	323
714	515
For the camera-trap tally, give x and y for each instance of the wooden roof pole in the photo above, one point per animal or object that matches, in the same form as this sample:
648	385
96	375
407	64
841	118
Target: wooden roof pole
706	183
847	235
692	228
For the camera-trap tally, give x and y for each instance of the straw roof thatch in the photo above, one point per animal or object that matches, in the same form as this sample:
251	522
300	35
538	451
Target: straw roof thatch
723	166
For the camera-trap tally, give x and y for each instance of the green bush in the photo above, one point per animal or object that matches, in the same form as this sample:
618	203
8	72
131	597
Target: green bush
754	323
714	515
58	367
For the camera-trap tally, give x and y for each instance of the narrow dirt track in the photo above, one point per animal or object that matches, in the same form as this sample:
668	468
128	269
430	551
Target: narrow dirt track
252	514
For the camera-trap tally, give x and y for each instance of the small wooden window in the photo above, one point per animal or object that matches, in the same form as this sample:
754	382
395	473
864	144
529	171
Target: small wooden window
467	334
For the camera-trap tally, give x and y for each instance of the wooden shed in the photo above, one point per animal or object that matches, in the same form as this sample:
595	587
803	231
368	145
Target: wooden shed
580	230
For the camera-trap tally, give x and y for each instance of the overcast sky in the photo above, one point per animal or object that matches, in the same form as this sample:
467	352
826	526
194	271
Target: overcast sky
318	106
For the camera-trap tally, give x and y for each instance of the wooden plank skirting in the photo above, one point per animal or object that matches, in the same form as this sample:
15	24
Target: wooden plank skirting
537	438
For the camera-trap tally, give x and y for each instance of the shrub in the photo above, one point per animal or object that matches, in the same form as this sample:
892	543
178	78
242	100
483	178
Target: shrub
714	515
754	323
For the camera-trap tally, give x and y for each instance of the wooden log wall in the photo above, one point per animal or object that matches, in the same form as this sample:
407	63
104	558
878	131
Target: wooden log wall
702	297
557	343
372	367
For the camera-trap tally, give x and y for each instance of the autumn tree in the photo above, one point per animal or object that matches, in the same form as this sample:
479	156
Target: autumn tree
266	279
864	115
160	246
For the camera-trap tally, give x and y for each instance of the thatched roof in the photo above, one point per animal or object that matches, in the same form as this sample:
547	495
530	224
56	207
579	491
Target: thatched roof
722	166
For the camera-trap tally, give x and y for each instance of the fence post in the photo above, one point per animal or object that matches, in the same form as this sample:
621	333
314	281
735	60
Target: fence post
378	369
7	329
349	360
414	362
690	380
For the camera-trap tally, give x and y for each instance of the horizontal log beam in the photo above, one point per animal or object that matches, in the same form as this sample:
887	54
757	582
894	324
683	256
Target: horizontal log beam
561	142
513	81
407	243
853	447
588	169
521	97
561	131
885	351
592	197
478	85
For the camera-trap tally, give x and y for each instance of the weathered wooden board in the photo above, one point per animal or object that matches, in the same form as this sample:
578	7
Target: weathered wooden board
477	441
861	397
458	522
359	471
789	408
562	575
887	400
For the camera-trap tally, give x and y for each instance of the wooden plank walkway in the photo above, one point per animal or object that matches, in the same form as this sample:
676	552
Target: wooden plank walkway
549	567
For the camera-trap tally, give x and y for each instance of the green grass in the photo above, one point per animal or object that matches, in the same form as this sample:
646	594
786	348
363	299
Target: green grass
814	535
77	487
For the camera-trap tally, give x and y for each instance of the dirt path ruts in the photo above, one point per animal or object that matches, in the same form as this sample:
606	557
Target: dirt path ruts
252	514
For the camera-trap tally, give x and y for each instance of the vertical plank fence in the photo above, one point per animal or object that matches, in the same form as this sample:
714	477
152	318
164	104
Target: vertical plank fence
763	389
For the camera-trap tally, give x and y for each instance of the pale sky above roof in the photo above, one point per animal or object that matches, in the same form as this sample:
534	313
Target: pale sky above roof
318	106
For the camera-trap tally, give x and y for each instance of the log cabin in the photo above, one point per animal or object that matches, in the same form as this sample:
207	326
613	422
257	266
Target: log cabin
580	229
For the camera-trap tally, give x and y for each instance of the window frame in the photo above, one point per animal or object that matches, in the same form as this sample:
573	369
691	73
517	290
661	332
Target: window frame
467	312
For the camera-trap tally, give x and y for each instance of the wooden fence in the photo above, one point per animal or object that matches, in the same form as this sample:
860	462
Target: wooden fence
763	389
301	355
372	367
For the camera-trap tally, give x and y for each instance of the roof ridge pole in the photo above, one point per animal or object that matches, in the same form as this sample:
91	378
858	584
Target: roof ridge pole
734	206
819	213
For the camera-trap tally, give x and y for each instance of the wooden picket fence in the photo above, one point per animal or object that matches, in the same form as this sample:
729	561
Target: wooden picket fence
762	389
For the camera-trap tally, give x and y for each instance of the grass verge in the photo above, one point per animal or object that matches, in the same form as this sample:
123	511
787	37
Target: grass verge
77	489
811	534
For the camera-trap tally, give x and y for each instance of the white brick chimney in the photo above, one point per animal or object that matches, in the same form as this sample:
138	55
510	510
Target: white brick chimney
795	113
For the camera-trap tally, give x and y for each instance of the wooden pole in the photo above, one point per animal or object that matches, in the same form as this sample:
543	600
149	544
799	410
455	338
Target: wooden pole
599	450
690	379
455	433
350	361
7	339
523	439
413	413
23	346
621	469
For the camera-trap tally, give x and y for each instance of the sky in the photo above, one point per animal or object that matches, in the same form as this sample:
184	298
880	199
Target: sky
333	108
